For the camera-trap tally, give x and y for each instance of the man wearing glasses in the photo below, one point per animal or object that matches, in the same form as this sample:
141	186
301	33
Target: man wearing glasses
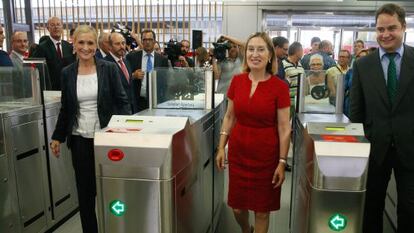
58	52
142	63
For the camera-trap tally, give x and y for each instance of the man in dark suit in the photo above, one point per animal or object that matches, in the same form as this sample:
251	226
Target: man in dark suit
142	63
382	96
4	57
58	52
116	54
104	46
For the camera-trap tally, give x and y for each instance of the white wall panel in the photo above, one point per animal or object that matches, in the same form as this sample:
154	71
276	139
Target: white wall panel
240	21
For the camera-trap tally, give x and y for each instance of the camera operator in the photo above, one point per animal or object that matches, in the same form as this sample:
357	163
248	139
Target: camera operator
183	60
225	69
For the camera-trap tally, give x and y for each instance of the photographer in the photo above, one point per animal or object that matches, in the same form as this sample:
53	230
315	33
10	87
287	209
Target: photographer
182	60
225	67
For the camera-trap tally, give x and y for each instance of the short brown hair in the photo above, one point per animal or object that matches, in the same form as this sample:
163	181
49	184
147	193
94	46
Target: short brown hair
391	9
271	67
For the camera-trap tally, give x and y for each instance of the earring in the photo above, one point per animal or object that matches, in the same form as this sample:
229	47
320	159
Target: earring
270	61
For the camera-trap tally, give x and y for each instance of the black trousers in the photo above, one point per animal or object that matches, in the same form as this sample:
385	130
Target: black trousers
378	178
142	103
83	159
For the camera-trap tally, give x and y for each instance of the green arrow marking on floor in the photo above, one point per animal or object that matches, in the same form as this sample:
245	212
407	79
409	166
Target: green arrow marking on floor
117	208
337	222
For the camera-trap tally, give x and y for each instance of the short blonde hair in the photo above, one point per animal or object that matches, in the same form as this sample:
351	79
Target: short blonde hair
82	29
271	67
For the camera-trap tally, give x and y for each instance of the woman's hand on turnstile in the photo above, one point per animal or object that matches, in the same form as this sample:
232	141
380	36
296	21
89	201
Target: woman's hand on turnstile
279	175
220	159
55	147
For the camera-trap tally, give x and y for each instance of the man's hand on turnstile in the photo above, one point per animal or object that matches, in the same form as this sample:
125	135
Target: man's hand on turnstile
279	175
55	147
220	159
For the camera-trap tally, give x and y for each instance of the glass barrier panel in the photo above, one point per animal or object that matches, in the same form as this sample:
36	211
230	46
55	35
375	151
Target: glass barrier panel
19	86
321	91
182	88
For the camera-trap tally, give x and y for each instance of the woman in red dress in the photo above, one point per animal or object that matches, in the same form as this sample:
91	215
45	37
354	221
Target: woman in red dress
258	129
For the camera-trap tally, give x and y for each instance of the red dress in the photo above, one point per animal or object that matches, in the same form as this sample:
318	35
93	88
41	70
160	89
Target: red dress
254	143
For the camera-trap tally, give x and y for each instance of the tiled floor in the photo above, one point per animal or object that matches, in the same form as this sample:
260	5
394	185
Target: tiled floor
279	221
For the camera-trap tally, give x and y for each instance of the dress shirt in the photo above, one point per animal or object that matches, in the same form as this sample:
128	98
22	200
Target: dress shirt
385	61
144	69
57	41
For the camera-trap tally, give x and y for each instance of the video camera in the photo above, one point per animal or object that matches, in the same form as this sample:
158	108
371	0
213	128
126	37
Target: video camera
126	32
173	50
220	48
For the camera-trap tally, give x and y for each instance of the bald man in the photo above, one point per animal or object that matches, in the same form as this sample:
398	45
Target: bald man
20	44
22	84
58	52
117	54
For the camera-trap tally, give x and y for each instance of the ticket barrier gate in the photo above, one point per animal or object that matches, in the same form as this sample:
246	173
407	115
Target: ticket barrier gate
145	172
331	173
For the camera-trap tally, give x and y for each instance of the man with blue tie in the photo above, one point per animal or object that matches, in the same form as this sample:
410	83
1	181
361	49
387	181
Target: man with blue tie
116	54
142	64
382	96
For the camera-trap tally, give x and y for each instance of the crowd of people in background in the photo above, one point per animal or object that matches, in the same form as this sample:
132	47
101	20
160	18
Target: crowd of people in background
109	61
134	61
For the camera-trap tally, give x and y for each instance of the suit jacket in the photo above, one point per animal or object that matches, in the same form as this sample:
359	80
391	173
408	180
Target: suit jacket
99	55
55	65
128	86
16	60
385	124
135	60
5	59
112	99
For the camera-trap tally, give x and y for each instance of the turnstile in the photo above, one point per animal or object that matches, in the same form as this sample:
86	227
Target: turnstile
145	171
61	174
25	183
331	164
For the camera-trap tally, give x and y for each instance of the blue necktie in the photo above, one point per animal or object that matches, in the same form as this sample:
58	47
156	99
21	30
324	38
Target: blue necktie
392	82
149	62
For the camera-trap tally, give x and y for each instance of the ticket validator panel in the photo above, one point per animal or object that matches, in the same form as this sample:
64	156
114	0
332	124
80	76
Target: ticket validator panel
145	170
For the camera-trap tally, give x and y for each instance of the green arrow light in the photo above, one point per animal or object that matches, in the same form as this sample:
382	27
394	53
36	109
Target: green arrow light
337	222
117	208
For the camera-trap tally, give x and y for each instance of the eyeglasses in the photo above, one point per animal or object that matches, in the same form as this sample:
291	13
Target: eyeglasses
316	64
148	40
